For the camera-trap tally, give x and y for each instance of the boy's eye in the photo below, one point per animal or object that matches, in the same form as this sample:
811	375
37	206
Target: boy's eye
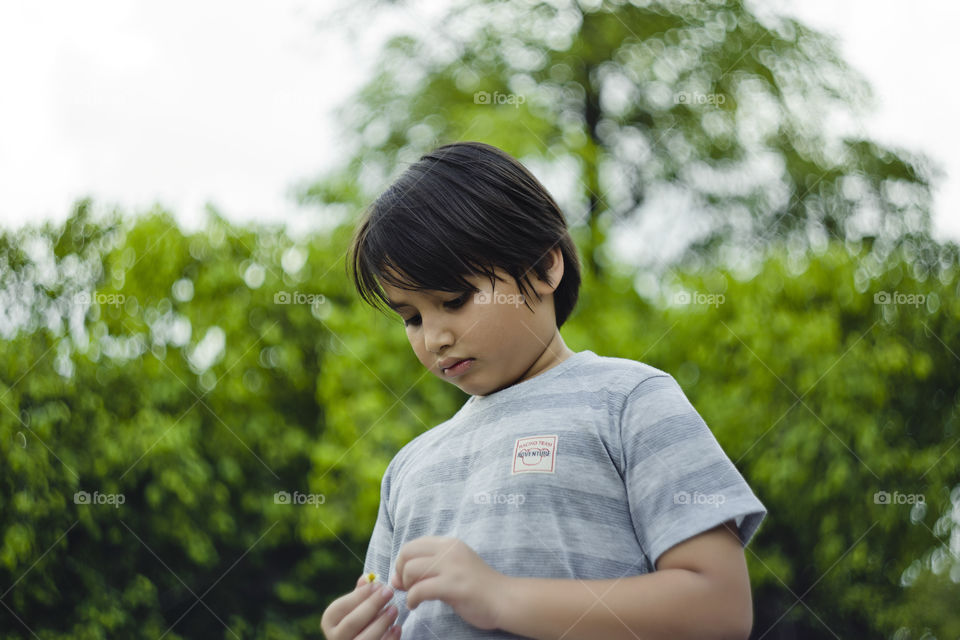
459	302
414	321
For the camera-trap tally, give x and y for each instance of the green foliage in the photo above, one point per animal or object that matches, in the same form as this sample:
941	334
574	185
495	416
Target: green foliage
193	376
632	106
162	374
822	397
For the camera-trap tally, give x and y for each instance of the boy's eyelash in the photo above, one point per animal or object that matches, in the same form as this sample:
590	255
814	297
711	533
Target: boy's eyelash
456	304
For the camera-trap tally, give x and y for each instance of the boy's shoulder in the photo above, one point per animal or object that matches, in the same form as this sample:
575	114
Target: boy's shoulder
613	376
632	372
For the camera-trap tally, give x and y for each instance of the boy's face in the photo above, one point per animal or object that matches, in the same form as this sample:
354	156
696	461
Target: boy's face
507	342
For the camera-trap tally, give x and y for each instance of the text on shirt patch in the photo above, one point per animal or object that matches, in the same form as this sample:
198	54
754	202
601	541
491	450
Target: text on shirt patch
535	454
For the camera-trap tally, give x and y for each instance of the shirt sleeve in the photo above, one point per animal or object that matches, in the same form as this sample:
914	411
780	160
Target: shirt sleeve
380	549
383	546
679	481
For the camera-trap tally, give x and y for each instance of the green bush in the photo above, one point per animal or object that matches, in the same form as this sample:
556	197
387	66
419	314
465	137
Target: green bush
189	390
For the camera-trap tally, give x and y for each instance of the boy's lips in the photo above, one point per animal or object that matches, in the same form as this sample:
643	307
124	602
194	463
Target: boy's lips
446	363
449	363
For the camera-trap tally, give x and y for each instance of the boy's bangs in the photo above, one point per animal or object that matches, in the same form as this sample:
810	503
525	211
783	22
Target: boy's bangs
413	259
410	272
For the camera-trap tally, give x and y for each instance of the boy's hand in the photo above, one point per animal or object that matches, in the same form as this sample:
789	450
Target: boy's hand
446	569
354	616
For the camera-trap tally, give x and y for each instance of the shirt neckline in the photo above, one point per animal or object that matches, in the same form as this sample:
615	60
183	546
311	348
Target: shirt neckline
513	391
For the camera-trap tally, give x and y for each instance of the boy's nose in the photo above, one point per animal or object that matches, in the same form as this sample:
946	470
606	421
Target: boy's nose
436	339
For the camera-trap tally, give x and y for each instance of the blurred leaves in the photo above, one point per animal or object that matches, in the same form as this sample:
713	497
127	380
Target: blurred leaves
112	386
745	123
827	377
806	313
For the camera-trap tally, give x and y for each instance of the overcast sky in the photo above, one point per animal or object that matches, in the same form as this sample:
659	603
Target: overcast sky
133	102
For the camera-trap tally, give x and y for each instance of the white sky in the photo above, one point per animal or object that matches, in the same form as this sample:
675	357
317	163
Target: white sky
229	101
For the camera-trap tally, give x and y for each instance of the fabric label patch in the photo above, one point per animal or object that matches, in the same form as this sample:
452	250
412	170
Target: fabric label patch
535	454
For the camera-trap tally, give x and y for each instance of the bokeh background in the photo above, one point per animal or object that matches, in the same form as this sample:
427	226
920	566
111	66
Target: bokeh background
196	410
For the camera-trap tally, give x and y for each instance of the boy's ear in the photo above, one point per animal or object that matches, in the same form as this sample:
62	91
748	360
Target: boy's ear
554	262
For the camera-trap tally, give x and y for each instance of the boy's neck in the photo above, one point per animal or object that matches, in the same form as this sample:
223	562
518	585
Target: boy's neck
555	353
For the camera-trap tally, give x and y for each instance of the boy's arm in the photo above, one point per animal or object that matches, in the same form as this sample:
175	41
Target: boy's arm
701	589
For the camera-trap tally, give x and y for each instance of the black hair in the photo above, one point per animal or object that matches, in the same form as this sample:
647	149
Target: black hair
463	209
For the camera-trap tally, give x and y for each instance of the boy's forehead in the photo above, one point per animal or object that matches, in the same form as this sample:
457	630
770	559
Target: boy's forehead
408	287
397	294
407	283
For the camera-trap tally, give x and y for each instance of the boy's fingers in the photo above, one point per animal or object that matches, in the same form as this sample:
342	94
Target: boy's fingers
342	606
377	628
361	607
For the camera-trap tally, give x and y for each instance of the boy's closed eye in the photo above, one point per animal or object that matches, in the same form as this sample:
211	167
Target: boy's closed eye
456	303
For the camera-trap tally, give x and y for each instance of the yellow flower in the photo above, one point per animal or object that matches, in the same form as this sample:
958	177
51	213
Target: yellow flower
371	577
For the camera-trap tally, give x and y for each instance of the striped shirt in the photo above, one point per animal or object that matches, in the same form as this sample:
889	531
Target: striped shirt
590	470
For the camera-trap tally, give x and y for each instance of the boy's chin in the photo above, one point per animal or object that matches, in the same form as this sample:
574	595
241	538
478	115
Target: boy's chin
468	388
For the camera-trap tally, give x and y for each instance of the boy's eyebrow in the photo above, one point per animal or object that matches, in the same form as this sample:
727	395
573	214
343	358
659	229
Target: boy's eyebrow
400	303
396	305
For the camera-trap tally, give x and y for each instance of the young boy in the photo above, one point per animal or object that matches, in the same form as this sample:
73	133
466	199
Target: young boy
573	495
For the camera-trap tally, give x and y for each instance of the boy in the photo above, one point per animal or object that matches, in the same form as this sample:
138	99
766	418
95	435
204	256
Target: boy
572	495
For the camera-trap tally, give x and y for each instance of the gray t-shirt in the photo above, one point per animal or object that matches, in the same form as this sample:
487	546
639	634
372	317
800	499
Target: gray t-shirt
589	470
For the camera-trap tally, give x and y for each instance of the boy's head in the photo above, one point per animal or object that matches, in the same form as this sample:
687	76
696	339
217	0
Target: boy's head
480	254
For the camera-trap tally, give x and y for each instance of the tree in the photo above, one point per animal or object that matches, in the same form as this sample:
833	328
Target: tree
199	375
723	117
158	390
